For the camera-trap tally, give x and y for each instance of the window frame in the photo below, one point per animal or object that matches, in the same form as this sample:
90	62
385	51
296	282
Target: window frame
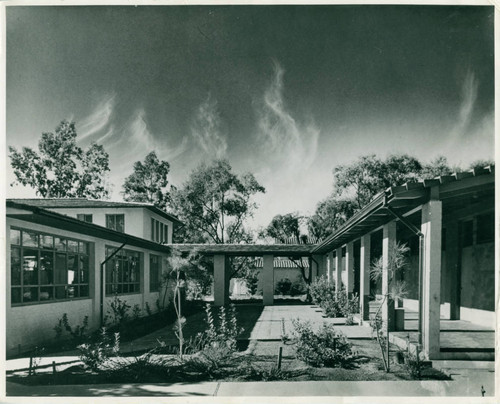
154	281
114	216
85	216
115	277
80	255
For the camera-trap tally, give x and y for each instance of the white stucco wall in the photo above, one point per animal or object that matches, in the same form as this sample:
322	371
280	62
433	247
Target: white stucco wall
33	324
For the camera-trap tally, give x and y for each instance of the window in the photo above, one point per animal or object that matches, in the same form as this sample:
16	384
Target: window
123	272
45	267
154	272
84	217
159	231
485	228
116	222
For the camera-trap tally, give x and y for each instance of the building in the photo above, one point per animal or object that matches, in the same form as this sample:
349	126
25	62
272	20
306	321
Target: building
60	260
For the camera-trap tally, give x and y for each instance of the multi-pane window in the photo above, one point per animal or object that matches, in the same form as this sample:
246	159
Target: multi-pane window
123	272
154	272
84	217
159	231
116	222
45	267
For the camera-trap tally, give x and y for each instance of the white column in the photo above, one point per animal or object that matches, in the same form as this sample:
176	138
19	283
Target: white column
349	266
388	242
431	228
364	284
268	280
97	255
453	268
221	280
338	269
329	273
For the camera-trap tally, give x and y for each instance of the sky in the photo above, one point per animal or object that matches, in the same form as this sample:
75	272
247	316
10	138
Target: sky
285	92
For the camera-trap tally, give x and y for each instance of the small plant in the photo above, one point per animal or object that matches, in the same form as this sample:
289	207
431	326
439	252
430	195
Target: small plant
36	357
136	311
326	347
119	311
93	355
78	333
252	281
298	287
149	312
251	372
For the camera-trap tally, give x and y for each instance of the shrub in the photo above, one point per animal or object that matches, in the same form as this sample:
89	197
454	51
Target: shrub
326	347
298	287
334	304
78	333
119	311
283	287
93	355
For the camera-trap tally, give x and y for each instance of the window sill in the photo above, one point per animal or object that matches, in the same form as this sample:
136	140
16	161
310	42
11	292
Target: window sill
49	302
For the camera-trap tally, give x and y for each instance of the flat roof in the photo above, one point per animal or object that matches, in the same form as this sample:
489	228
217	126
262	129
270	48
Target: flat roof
63	222
248	250
68	203
404	198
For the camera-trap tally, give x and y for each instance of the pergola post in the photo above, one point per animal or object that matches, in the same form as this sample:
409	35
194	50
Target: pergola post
268	280
349	266
318	266
329	269
453	268
221	280
388	242
338	270
431	228
364	284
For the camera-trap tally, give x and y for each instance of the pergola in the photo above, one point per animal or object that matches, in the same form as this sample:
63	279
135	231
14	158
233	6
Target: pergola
222	252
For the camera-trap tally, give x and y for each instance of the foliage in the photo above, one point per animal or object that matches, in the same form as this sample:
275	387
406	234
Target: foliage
283	286
252	280
326	347
284	227
214	203
119	311
60	168
357	183
136	311
298	287
397	262
254	373
333	303
94	354
78	333
330	214
148	182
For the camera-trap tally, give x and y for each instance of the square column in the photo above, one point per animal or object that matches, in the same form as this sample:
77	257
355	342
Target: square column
329	269
349	266
453	264
318	266
431	305
338	270
364	279
388	242
221	280
268	280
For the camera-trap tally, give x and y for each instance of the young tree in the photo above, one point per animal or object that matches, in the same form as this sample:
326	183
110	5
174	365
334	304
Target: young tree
437	167
214	203
148	182
60	168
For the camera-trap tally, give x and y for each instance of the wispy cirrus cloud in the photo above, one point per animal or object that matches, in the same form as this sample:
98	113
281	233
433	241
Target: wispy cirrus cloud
98	120
207	129
137	140
470	87
293	143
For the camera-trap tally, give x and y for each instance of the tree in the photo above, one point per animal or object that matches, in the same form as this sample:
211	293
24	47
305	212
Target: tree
284	227
214	203
148	182
330	214
481	163
437	167
60	168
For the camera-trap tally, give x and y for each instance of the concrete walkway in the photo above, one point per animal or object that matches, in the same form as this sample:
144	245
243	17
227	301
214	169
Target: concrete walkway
461	387
468	377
